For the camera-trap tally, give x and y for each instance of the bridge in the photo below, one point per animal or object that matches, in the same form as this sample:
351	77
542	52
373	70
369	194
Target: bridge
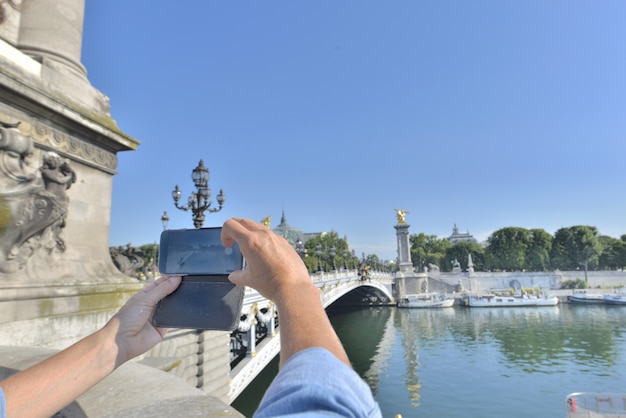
256	341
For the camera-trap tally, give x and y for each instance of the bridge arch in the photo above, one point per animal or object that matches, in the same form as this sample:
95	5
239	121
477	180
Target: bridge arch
358	293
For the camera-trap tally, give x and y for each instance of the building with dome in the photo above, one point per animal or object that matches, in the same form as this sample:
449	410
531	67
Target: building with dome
461	237
292	234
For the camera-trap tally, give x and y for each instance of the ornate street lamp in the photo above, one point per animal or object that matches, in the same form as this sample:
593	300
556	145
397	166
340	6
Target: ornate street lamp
318	251
333	254
164	220
300	249
199	201
345	259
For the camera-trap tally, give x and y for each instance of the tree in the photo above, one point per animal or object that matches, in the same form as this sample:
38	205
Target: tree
428	249
506	249
327	244
613	255
461	251
372	261
576	246
538	251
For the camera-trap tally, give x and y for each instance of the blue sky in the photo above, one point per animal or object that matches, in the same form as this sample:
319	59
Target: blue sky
486	114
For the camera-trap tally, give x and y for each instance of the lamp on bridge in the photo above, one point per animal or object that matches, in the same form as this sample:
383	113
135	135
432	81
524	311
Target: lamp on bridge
318	251
333	254
302	252
164	220
200	200
345	259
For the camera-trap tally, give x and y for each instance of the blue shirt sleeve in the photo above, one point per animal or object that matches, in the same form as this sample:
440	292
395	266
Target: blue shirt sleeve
315	383
3	405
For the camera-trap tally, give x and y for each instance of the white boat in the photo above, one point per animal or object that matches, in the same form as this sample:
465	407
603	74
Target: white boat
597	405
489	301
617	298
584	297
426	300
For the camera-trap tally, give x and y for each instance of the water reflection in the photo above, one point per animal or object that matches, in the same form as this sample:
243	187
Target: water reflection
380	359
513	362
542	340
514	343
369	334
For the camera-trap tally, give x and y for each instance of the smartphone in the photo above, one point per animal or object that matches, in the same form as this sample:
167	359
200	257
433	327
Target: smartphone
205	298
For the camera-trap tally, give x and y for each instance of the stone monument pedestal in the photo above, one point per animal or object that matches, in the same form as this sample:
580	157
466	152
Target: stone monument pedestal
58	155
58	146
407	281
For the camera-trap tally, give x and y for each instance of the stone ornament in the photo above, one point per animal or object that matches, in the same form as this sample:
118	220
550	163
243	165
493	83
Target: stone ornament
33	199
129	262
83	151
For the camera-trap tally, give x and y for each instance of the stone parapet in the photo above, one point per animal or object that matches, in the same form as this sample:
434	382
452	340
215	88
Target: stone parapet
134	390
202	359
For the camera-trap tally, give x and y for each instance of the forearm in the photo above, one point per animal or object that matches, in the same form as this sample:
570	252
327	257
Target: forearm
47	387
304	323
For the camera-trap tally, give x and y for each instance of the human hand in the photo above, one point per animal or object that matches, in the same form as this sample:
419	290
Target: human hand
272	264
133	332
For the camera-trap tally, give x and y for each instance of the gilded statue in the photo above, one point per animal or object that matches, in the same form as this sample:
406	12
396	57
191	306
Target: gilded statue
266	221
401	214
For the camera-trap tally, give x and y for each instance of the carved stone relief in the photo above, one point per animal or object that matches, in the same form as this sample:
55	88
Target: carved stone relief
129	262
33	199
70	145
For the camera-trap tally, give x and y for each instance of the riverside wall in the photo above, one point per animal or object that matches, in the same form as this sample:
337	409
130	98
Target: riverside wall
484	281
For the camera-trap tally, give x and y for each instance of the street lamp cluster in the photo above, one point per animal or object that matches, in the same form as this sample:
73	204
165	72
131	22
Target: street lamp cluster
200	200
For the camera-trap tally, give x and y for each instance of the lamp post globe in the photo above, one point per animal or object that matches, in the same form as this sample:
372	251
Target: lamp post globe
164	220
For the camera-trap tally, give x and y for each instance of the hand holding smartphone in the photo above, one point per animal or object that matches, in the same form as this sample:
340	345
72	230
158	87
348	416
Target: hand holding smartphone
205	298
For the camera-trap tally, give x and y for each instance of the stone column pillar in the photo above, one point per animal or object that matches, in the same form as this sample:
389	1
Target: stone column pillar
404	247
53	29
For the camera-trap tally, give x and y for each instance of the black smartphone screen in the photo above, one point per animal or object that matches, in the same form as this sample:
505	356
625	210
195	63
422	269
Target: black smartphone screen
197	251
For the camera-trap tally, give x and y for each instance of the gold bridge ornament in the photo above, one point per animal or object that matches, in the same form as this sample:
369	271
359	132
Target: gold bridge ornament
401	214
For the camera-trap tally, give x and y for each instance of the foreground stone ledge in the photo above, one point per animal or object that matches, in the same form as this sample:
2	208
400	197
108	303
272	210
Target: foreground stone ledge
132	391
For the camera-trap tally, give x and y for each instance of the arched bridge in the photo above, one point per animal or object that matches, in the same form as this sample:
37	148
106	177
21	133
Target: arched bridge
256	342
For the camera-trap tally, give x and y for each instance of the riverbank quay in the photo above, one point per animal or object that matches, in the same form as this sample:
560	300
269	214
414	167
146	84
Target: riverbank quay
479	282
561	294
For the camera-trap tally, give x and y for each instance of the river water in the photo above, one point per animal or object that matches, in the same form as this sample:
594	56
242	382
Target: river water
478	362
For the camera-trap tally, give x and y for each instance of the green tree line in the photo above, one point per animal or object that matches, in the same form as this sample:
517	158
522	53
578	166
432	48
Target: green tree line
521	249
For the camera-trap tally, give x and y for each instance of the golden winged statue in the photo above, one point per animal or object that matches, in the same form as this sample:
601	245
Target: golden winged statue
401	213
